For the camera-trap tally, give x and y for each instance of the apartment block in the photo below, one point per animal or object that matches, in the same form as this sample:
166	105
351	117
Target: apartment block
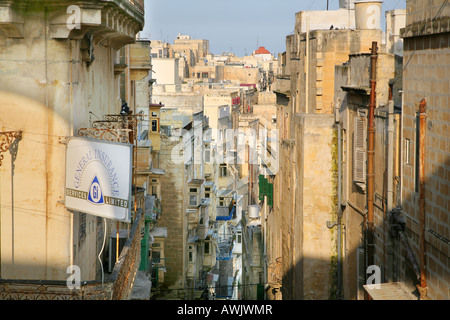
70	77
425	197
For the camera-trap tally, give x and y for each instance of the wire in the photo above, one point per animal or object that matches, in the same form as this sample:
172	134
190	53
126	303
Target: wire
103	246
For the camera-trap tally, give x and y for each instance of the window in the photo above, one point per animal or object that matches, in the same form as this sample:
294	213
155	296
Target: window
359	148
407	152
154	187
154	125
223	170
193	197
208	192
192	200
221	202
207	153
191	254
156	256
206	248
154	114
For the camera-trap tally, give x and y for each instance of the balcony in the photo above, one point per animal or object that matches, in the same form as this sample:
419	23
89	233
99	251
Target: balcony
137	4
225	246
203	226
117	286
225	213
114	21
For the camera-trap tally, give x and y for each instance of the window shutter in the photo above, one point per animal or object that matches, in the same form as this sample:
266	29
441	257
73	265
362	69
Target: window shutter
359	152
361	281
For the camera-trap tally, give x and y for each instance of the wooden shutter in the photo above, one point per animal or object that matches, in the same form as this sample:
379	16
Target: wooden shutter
359	150
361	278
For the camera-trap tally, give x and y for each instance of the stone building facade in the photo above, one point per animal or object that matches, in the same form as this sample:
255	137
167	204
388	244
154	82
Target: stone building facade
60	73
426	67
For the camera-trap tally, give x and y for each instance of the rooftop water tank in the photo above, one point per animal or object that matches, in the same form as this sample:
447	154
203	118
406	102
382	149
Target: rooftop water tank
368	14
253	211
347	4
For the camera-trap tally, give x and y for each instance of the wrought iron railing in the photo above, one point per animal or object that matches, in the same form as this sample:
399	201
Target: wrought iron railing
225	246
53	290
115	128
117	287
138	4
7	140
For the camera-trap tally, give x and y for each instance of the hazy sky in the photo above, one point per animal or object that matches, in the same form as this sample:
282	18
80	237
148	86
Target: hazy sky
234	25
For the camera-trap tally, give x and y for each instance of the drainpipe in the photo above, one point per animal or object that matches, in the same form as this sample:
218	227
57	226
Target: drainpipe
338	223
307	67
339	216
390	179
371	156
422	146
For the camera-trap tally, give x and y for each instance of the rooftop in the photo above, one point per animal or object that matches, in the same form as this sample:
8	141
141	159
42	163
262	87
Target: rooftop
262	50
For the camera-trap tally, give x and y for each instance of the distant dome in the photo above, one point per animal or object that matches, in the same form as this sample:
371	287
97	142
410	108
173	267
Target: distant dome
262	50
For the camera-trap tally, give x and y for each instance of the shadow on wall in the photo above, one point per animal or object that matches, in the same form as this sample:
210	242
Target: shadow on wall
402	229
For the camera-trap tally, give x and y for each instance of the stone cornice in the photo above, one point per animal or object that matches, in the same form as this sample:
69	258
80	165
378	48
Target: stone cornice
112	22
426	28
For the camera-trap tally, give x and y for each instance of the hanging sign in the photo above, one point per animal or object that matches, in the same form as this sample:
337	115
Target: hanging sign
98	178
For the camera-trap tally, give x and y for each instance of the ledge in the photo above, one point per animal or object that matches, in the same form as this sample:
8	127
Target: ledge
111	22
11	23
426	28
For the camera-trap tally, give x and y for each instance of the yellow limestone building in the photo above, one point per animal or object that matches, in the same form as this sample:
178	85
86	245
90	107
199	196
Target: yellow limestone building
59	72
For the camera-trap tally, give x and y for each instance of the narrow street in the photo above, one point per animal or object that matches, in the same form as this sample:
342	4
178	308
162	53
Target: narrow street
224	152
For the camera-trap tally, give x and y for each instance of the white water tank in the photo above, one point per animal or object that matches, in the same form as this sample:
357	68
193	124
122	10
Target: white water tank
253	211
368	14
347	4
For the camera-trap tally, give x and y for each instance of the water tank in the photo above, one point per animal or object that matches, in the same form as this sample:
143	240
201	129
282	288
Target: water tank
368	14
253	211
347	4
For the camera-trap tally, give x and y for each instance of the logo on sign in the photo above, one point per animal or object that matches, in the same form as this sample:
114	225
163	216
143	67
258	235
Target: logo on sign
95	192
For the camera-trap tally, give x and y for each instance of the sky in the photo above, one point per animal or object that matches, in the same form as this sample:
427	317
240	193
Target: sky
238	26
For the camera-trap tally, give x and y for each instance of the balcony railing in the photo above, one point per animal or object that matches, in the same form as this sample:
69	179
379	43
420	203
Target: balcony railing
138	4
225	247
117	287
224	213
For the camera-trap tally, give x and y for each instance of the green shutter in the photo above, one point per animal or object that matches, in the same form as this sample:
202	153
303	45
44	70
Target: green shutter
262	187
270	194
